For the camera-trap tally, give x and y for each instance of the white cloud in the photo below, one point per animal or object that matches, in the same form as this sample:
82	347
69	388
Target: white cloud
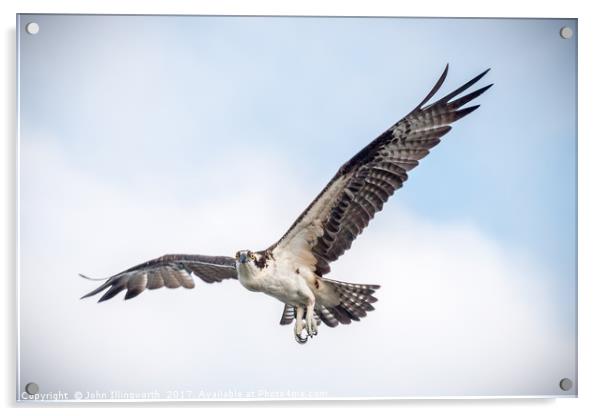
457	312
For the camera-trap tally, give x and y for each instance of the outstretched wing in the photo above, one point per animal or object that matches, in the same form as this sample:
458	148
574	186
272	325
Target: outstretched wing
172	270
327	228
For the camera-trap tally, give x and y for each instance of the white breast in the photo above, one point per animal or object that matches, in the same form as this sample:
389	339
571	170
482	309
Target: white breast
279	279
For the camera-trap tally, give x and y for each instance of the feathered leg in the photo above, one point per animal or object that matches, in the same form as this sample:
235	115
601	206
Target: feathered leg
299	326
310	320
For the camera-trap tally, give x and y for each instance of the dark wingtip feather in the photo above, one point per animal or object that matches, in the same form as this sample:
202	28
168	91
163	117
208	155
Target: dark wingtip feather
464	87
97	290
106	296
114	290
92	278
132	294
468	97
466	111
434	90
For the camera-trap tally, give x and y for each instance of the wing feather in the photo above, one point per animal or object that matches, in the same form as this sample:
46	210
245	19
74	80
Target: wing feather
171	271
330	224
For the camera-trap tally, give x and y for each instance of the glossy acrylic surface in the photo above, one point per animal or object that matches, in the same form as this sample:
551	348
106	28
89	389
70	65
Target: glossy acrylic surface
146	135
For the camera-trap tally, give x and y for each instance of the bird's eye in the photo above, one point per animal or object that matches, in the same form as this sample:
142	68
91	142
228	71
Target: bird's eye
252	256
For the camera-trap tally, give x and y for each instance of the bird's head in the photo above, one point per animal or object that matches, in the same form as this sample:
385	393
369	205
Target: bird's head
244	256
251	261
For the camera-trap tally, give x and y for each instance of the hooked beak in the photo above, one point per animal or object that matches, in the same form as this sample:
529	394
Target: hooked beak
242	258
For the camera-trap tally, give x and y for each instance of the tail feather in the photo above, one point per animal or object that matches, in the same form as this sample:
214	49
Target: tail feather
355	301
327	317
288	314
353	287
340	314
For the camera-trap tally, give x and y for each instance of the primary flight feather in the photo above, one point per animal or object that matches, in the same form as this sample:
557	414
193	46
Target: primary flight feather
292	270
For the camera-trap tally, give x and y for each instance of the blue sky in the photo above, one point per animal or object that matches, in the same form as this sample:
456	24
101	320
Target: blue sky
193	109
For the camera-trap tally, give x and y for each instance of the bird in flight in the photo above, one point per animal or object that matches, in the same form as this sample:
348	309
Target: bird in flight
292	270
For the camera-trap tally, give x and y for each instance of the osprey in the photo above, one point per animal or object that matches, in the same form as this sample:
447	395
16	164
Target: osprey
292	270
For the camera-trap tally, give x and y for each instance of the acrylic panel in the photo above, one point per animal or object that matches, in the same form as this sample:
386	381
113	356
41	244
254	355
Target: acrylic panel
141	136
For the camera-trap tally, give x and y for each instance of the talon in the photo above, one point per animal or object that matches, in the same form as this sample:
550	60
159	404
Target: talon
311	327
300	339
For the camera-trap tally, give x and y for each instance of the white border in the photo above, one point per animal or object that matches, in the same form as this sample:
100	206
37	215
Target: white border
17	204
21	399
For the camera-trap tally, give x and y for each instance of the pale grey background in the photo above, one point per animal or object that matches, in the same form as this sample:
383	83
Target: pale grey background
147	135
